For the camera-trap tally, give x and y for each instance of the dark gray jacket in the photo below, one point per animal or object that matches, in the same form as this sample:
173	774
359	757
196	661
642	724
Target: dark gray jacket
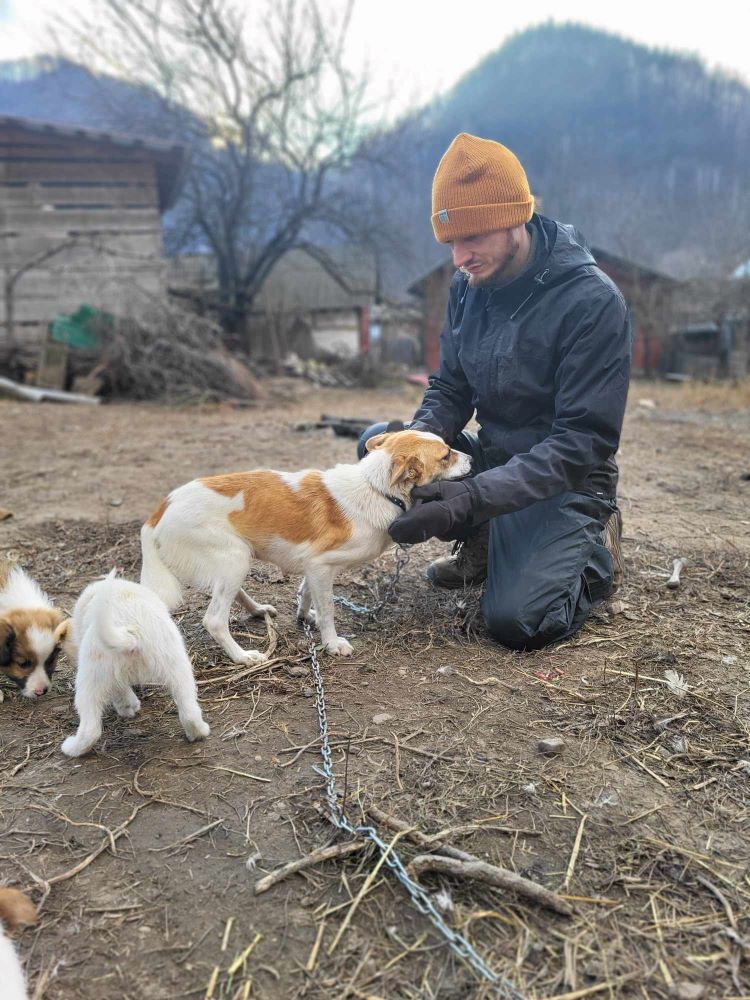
545	362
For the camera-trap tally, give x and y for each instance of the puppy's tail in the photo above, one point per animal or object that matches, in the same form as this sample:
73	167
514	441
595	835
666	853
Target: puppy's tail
155	574
117	637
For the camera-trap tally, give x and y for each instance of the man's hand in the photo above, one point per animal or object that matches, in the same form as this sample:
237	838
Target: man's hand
441	510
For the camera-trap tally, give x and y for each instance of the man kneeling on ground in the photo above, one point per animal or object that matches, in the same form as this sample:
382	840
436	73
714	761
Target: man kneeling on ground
537	341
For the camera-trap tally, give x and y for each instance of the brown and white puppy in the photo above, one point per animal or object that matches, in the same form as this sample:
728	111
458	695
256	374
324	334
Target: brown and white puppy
16	909
207	532
31	630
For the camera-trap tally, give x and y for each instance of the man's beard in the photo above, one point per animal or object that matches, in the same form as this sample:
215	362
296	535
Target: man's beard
497	277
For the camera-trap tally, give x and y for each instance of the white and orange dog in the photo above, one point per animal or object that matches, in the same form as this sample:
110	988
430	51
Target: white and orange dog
207	532
121	635
31	630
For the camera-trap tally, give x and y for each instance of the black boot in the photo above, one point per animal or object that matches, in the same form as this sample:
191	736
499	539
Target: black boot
466	566
613	544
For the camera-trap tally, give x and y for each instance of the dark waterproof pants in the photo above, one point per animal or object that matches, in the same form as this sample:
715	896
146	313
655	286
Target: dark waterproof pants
547	564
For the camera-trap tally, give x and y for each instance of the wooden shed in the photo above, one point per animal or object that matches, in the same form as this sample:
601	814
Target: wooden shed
80	222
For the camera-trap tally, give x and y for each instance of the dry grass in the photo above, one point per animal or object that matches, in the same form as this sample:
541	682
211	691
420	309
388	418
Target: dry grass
640	823
718	397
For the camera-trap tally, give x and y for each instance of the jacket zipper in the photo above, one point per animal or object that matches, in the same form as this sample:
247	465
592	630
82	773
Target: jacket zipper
539	279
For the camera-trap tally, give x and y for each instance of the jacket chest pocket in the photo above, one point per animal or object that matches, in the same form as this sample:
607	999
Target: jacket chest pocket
501	362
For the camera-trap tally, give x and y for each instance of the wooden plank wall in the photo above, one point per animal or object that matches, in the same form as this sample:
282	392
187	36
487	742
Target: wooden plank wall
103	197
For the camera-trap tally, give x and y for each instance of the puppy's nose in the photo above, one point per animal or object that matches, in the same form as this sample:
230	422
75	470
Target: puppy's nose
39	691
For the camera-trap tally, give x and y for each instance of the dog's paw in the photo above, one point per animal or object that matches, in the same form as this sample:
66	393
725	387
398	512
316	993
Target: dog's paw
127	709
250	658
196	729
339	647
266	609
72	748
310	616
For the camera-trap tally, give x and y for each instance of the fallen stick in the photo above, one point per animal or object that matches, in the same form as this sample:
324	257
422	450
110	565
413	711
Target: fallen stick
415	836
313	957
502	877
113	835
574	852
674	581
313	858
484	872
433	841
184	841
243	957
588	991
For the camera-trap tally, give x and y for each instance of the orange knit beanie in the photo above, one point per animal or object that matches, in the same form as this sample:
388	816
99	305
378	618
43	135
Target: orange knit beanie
479	186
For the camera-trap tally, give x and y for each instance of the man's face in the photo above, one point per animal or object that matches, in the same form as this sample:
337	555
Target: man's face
491	258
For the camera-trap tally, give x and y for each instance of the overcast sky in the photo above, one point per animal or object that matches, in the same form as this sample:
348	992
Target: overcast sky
418	48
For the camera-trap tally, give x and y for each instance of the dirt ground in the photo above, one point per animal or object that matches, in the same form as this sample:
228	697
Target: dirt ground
144	855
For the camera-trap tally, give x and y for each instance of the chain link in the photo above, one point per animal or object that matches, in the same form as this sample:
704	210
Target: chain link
402	558
504	988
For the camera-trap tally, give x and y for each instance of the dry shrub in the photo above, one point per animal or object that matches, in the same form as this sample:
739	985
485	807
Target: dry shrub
170	355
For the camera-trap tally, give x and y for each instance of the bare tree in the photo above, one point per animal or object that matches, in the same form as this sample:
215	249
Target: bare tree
274	118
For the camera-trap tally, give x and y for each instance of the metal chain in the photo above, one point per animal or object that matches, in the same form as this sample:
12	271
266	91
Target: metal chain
505	989
402	558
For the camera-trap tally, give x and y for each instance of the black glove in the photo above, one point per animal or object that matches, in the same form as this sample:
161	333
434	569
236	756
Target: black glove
394	426
442	510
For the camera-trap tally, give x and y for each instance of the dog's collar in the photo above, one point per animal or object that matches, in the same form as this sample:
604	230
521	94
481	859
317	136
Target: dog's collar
397	500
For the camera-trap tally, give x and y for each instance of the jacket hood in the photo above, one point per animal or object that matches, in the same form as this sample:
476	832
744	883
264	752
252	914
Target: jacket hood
567	248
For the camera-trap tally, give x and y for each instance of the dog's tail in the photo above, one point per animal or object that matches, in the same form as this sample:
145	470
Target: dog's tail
117	637
155	574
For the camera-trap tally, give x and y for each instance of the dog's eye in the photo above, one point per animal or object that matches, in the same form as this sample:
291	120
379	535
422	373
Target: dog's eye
27	665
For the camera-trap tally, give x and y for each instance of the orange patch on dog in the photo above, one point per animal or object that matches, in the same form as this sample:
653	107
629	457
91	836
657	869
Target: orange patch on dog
158	514
15	626
16	908
414	458
273	508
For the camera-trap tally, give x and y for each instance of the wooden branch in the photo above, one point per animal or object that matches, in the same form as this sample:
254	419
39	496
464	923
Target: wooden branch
314	858
416	837
470	866
484	872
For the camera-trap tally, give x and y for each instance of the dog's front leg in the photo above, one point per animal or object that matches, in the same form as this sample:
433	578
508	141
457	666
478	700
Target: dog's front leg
305	612
320	584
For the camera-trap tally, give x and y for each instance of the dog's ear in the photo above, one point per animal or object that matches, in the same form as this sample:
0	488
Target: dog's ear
63	630
7	638
406	469
373	443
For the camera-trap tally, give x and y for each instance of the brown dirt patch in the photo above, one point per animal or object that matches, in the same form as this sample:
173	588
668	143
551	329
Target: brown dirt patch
660	881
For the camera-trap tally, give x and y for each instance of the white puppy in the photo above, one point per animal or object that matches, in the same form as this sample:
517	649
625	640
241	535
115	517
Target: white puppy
122	634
